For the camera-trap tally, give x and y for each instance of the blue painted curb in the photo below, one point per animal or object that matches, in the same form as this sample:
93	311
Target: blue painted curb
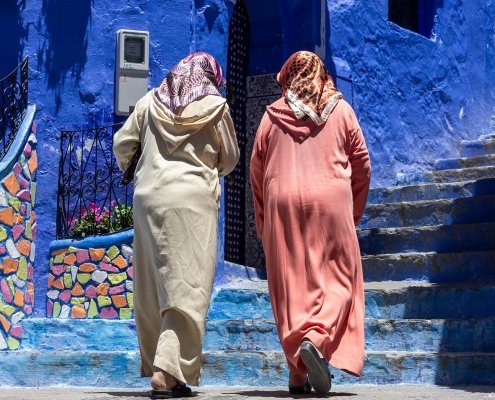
19	142
111	239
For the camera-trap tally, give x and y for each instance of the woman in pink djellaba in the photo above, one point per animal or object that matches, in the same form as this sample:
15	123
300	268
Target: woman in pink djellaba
310	173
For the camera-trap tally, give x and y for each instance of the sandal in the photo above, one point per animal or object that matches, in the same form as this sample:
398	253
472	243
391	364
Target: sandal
305	389
318	373
179	390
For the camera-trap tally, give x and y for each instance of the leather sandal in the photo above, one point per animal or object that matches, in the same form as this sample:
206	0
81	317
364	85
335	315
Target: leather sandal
179	390
305	389
318	373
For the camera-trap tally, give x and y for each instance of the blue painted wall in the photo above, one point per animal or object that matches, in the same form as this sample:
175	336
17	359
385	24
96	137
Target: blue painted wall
71	48
416	97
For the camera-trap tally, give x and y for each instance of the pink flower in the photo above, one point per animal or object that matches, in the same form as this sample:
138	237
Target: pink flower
113	203
94	208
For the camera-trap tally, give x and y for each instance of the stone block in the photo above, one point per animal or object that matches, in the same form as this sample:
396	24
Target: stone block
65	296
119	301
120	262
82	256
33	162
24	247
93	310
96	254
7	216
13	343
78	311
83	278
70	259
5	324
10	265
102	289
108	313
113	252
11	184
19	298
12	249
99	276
115	279
17	232
87	267
6	291
3	234
77	290
103	301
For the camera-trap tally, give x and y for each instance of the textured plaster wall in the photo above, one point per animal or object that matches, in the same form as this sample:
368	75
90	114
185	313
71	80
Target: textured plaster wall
71	46
417	97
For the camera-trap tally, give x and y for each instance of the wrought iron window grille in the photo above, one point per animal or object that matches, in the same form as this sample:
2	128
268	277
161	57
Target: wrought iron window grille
92	200
13	104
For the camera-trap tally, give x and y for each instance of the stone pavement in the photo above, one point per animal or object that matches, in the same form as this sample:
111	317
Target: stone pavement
361	392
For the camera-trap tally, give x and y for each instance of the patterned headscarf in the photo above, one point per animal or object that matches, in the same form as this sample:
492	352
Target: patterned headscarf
308	87
196	75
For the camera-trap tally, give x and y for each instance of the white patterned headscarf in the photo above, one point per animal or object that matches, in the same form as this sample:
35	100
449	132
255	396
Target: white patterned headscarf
196	75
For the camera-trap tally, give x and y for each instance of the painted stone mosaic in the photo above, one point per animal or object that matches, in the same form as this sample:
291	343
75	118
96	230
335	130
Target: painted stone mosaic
91	283
17	249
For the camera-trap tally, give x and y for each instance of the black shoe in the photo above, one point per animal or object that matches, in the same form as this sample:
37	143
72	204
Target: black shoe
318	373
180	390
306	389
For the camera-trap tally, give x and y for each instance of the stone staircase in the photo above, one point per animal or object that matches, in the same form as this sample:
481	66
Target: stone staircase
428	248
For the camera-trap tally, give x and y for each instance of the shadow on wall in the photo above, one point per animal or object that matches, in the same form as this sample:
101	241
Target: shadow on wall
63	50
13	34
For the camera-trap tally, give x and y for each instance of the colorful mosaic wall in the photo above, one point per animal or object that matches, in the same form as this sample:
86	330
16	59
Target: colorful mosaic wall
91	283
17	249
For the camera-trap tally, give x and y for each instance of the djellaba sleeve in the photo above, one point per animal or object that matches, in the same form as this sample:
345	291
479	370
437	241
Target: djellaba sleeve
257	170
229	150
361	169
127	138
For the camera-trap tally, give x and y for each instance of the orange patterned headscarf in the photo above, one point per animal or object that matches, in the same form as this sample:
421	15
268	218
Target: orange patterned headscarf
308	87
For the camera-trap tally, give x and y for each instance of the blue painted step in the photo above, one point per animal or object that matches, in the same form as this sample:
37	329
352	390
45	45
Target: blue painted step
261	335
465	162
432	267
423	300
446	335
431	191
446	176
440	238
384	300
471	148
433	212
98	369
380	368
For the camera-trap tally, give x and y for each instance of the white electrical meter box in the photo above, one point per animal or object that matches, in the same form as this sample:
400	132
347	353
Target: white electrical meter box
132	69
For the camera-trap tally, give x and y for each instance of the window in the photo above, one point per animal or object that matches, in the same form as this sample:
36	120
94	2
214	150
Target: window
415	15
